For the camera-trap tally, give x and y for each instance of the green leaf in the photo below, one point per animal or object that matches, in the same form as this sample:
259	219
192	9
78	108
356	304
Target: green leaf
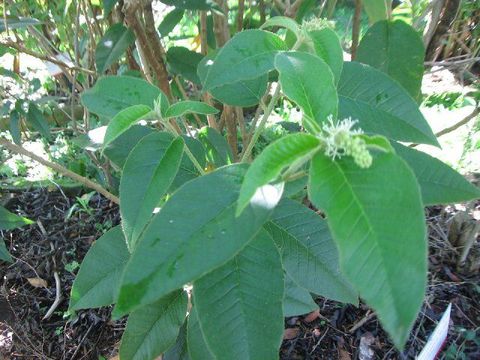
381	105
188	171
36	119
119	149
108	6
377	142
112	46
242	93
153	329
146	179
396	49
297	300
112	94
307	80
10	221
14	127
219	152
183	107
170	21
249	53
376	219
182	61
439	183
179	350
4	254
190	4
188	237
309	254
376	9
290	149
243	298
124	120
325	43
13	22
282	21
197	347
98	279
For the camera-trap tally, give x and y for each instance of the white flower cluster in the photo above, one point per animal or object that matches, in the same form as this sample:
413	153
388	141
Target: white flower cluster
341	140
315	24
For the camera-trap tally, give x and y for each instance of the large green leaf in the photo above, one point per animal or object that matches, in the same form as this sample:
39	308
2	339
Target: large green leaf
97	280
376	9
10	221
13	22
112	94
117	151
243	298
219	152
439	183
282	21
288	150
307	80
184	62
197	347
14	127
170	21
248	55
297	300
381	105
112	45
187	170
309	254
195	232
153	329
124	120
184	107
376	219
242	93
145	179
325	43
179	351
396	49
36	119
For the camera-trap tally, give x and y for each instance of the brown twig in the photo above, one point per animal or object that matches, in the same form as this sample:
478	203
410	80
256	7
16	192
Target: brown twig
462	122
60	169
241	10
51	59
356	28
292	10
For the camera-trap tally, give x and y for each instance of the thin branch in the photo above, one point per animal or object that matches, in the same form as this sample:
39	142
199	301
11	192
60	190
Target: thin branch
462	122
60	169
261	126
292	10
356	28
51	59
241	11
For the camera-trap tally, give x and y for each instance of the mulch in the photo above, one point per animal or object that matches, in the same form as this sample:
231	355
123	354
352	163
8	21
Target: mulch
61	238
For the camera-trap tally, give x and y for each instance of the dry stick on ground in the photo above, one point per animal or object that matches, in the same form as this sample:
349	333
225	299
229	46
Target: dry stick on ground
356	28
60	169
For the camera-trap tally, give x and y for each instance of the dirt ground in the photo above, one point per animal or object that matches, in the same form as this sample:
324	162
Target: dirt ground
61	237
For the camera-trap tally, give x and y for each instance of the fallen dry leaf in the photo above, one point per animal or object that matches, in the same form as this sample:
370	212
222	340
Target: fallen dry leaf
342	353
290	333
37	282
312	316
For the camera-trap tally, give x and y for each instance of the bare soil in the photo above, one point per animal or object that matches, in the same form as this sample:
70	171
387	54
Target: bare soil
56	243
